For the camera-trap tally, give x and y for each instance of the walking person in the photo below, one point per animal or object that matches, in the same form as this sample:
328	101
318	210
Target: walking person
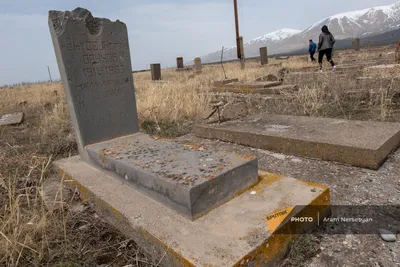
325	46
311	49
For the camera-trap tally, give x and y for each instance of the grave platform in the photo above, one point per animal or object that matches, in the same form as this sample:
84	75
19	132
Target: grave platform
265	87
224	81
250	85
327	68
358	143
190	179
276	90
238	233
312	77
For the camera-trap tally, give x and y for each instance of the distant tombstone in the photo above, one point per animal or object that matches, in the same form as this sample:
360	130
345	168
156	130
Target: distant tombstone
155	71
95	65
179	62
264	55
197	64
356	44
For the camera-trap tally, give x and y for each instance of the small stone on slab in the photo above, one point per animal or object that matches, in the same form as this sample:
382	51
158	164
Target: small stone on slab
387	235
11	119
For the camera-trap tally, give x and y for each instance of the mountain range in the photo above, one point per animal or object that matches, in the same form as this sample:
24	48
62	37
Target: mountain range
361	23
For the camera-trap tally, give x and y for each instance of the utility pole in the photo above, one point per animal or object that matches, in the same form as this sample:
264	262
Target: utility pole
48	68
239	39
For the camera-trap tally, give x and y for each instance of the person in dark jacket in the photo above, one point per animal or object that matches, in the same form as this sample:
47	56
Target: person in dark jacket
325	46
311	49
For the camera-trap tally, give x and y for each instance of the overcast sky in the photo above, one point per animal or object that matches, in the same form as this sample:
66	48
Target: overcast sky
159	30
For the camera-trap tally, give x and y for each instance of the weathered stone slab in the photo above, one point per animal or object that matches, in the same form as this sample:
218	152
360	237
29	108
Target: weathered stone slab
225	81
358	143
312	77
192	180
11	119
234	234
95	66
245	85
339	68
347	68
378	82
264	55
385	66
155	71
265	91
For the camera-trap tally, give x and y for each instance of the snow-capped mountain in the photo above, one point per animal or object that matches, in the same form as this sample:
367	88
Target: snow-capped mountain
275	36
360	23
251	48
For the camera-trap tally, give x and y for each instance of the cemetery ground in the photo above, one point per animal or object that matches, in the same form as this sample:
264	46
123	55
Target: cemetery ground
38	229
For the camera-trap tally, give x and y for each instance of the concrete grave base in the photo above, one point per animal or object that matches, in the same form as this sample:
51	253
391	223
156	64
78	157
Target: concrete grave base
11	119
358	143
234	234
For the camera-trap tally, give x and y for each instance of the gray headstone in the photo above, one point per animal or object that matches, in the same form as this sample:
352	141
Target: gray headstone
95	66
197	64
155	72
264	55
179	62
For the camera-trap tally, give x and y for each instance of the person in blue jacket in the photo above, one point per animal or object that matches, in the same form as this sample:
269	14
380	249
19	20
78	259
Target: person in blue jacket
312	48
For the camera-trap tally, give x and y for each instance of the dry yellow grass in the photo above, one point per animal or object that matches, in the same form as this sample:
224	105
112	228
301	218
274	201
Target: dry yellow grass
178	98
